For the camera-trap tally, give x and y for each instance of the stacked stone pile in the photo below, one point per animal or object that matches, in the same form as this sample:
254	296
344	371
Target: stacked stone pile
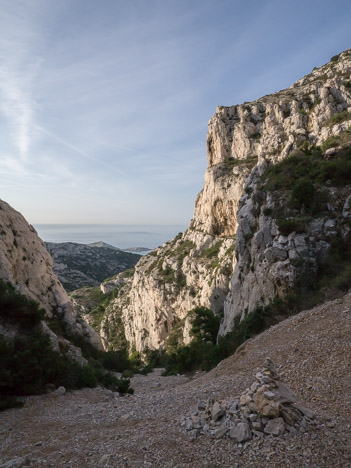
268	407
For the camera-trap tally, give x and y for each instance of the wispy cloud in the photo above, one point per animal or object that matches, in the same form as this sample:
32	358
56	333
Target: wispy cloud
79	151
106	104
18	72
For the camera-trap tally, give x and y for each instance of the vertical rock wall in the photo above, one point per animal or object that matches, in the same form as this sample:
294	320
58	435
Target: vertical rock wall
201	267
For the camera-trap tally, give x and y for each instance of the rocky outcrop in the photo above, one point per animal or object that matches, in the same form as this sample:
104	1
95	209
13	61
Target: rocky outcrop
79	265
189	271
27	265
315	111
236	208
268	407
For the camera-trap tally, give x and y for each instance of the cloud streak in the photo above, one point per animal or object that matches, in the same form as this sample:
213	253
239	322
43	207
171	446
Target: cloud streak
104	107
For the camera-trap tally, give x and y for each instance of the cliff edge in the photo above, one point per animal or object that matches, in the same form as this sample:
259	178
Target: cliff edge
272	209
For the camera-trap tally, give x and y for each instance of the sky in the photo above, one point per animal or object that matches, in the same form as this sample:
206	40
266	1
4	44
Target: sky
104	105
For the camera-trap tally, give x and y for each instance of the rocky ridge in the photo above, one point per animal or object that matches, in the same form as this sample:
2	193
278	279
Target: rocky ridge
234	256
27	265
78	265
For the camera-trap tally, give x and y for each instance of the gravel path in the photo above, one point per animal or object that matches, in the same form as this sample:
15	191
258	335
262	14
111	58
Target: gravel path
93	428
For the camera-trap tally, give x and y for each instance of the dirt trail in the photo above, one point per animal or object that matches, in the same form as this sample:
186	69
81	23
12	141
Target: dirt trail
93	428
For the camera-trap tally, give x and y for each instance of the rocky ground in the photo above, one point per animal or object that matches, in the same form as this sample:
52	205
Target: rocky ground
94	428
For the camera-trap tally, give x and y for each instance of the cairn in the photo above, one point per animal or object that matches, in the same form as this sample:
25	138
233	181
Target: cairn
268	407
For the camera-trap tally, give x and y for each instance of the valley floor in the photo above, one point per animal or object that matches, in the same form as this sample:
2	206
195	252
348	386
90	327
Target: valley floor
93	428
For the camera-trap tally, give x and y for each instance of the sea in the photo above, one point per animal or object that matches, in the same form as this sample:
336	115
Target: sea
123	236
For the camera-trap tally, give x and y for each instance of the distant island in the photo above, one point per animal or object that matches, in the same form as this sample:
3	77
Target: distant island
129	249
137	249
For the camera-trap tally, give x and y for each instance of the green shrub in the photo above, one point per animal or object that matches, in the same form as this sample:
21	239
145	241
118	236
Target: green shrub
116	361
303	193
310	164
212	251
330	142
205	324
340	117
7	402
297	224
206	354
230	162
267	211
18	309
127	373
167	274
128	273
28	363
335	58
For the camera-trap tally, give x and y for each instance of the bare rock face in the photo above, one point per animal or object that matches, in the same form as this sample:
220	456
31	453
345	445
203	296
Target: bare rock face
189	271
27	265
233	210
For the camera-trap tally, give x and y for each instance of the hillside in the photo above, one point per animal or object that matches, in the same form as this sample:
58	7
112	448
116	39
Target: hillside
79	265
27	266
273	218
311	351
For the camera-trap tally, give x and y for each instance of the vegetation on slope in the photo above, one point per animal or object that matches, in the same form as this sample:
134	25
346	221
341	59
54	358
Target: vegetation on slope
29	365
78	265
300	180
93	302
205	353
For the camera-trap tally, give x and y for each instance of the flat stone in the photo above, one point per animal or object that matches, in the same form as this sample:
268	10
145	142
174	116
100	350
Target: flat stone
269	395
241	432
245	399
275	427
233	407
254	386
257	426
16	463
201	406
194	433
217	411
220	431
305	411
188	424
289	416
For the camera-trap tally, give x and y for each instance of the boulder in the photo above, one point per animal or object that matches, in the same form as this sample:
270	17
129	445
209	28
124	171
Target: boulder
275	427
241	432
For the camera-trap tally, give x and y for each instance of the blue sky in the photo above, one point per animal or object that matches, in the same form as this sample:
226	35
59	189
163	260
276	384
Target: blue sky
104	105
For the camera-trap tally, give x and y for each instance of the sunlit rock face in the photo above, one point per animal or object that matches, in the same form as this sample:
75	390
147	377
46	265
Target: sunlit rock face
202	267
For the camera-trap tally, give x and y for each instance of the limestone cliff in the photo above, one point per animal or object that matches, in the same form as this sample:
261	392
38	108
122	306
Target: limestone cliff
27	265
201	267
